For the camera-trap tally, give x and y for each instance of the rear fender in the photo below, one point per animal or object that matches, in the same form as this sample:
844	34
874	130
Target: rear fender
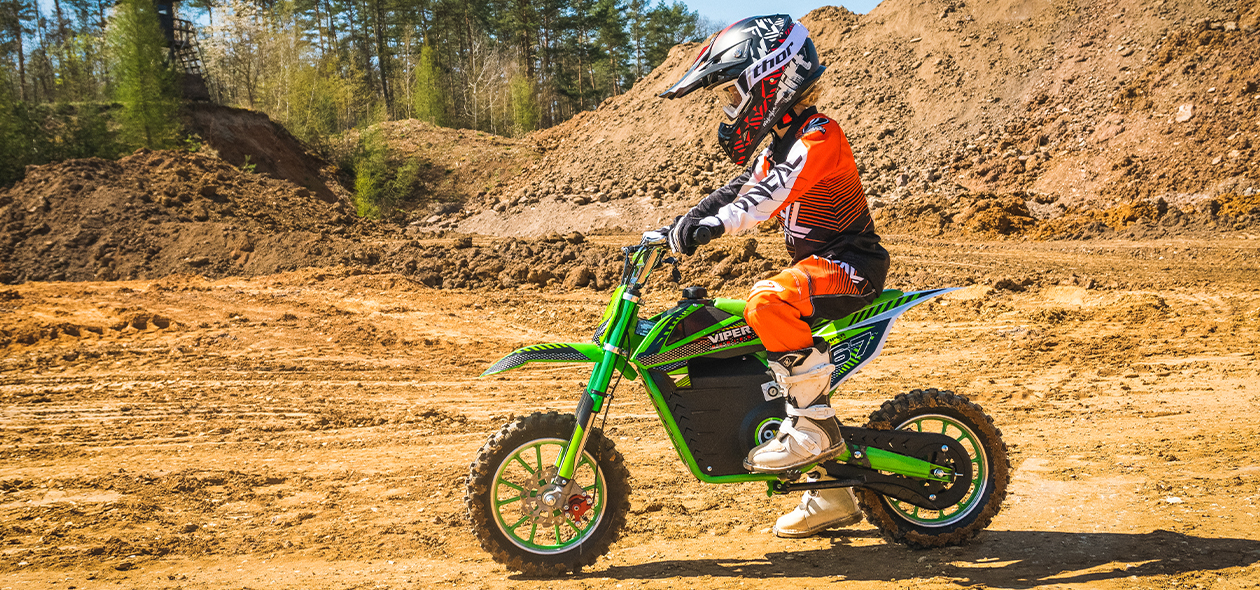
556	352
858	338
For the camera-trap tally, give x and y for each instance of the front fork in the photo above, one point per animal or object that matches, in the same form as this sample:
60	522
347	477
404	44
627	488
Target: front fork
592	402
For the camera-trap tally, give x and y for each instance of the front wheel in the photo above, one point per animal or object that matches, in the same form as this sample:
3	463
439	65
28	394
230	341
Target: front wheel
957	417
512	475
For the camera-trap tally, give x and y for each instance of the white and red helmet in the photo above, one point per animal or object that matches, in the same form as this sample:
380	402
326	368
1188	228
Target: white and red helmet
759	67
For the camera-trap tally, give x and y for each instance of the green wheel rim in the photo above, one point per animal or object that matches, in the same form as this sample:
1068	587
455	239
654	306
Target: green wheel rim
526	469
979	484
762	428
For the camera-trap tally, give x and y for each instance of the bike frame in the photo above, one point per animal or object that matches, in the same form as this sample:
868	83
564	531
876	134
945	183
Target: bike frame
616	356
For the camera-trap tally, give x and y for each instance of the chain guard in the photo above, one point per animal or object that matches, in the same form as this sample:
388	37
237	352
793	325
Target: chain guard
932	495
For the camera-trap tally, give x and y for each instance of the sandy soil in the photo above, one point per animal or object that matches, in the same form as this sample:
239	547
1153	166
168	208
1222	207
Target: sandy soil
312	429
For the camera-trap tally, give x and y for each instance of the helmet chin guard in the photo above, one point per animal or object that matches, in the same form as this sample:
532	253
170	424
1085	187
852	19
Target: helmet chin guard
771	62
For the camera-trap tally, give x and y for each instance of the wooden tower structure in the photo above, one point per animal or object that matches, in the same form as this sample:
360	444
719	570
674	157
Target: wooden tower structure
181	39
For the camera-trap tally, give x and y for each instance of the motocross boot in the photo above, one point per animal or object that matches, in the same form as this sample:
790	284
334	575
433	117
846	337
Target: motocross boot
810	433
819	510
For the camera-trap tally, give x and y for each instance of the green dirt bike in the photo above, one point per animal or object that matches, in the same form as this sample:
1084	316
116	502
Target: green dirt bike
549	493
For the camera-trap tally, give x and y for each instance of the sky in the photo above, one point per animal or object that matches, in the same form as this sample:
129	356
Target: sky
726	12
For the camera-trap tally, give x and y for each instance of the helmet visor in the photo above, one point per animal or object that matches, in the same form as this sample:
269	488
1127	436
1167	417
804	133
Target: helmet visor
731	99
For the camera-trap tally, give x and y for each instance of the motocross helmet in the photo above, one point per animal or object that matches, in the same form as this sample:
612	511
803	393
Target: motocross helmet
759	67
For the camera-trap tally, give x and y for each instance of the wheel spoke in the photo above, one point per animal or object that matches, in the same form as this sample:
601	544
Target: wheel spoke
511	485
518	459
544	532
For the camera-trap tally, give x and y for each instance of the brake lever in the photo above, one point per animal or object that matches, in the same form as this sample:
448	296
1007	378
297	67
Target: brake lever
674	274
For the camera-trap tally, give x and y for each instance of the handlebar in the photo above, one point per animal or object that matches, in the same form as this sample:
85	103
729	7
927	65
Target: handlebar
702	235
642	259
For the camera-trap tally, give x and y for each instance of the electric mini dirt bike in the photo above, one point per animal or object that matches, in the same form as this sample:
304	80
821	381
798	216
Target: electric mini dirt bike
549	493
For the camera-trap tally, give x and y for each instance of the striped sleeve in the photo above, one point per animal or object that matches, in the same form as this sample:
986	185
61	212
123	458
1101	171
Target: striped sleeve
781	185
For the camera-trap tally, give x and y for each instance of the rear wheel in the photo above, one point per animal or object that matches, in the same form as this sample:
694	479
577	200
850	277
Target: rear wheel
507	484
956	417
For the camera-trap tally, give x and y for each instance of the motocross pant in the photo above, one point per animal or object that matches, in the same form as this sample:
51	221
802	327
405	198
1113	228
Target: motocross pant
781	308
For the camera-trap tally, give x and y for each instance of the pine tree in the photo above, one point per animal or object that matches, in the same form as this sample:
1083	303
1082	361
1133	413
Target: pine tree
430	100
144	79
524	105
669	25
14	18
610	24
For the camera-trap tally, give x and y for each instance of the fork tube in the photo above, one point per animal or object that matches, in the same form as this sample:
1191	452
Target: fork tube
593	398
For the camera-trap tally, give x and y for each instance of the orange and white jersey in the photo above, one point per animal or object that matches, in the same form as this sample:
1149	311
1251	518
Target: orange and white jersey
809	179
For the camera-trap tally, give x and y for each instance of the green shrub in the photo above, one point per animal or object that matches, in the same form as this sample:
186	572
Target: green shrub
39	134
430	99
85	133
381	184
371	171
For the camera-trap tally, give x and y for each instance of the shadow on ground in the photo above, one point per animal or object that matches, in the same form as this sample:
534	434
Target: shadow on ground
1012	559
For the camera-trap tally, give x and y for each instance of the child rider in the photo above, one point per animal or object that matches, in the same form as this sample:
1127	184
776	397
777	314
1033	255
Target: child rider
764	71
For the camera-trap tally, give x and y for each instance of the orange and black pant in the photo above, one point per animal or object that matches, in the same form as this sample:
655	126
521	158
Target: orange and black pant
781	308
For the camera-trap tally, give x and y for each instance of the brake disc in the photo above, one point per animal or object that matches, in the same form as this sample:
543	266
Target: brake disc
532	505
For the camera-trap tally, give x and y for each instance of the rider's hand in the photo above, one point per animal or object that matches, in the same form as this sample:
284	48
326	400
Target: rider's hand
682	236
653	236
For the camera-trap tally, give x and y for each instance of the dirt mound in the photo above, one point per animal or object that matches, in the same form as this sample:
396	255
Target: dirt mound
1087	107
179	216
155	213
251	139
1138	308
557	263
991	215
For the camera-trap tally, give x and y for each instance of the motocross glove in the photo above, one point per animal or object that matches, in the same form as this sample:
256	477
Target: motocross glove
654	236
689	231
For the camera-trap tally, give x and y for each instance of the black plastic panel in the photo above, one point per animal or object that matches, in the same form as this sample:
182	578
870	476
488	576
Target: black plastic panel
697	321
718	415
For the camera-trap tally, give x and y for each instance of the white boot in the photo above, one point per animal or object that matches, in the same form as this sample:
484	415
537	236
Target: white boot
811	433
819	510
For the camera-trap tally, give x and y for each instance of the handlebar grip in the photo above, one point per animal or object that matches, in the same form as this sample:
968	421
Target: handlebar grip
702	235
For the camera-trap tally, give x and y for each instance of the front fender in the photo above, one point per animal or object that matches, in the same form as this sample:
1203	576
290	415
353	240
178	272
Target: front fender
554	352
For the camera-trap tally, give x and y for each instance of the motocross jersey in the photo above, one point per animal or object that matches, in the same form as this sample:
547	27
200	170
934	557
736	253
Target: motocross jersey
809	179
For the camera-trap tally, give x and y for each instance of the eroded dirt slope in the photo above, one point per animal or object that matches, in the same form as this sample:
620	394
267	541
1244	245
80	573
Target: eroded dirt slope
249	139
311	429
459	164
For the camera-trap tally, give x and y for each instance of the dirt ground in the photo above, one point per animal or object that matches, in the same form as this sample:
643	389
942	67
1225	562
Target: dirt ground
311	429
